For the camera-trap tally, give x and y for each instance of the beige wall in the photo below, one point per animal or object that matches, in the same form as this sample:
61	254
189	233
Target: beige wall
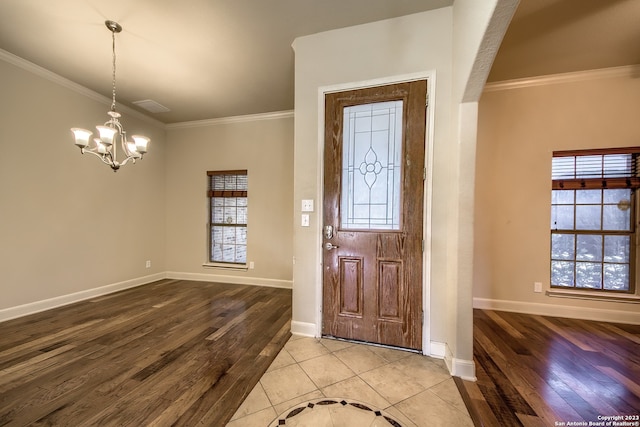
68	224
262	145
412	44
518	131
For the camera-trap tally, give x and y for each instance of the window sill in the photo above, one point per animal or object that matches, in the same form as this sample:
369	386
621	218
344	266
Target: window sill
237	267
629	299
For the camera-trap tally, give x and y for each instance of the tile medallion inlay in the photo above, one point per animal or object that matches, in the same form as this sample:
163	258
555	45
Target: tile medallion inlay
334	411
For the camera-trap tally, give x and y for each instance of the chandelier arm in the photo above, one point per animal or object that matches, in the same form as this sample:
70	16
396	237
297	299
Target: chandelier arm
129	154
108	160
133	160
114	122
92	151
103	157
123	144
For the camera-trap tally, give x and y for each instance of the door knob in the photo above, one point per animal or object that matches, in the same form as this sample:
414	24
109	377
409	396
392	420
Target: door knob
328	246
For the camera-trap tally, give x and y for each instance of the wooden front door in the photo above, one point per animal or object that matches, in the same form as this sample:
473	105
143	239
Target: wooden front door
373	214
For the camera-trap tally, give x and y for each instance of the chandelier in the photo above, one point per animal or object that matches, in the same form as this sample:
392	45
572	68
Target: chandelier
111	133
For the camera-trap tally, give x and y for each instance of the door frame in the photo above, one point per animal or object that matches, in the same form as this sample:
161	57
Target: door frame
430	77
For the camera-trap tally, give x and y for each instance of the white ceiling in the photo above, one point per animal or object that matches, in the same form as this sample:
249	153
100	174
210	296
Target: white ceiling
205	59
201	59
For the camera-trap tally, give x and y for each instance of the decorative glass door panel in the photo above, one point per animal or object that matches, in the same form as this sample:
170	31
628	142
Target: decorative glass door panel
371	166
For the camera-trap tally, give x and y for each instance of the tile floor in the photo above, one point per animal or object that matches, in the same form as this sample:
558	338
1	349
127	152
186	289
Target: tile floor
410	389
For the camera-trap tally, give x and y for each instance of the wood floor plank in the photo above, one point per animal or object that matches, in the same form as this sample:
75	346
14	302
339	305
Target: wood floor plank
563	369
141	356
504	324
479	409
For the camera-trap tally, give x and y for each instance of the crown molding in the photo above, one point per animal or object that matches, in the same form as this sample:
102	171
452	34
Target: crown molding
232	119
602	73
62	81
75	87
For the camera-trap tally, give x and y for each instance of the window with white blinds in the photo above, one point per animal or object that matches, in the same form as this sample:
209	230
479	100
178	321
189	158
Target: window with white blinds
593	218
615	168
228	207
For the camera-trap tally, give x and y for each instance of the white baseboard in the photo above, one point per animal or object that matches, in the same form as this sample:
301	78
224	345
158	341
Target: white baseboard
465	369
303	329
437	350
38	306
237	280
585	313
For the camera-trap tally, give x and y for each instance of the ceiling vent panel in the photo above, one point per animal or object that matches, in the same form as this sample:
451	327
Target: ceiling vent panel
151	106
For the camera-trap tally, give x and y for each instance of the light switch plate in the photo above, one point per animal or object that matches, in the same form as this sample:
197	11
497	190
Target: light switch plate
305	220
307	205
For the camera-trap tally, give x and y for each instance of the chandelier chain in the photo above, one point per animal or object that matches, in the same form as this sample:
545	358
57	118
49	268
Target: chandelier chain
113	45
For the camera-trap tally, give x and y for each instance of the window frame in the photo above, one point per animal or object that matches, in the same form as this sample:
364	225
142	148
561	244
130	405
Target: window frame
629	181
213	193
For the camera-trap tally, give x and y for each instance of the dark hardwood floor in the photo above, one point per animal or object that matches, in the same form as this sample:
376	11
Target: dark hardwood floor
168	353
546	371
